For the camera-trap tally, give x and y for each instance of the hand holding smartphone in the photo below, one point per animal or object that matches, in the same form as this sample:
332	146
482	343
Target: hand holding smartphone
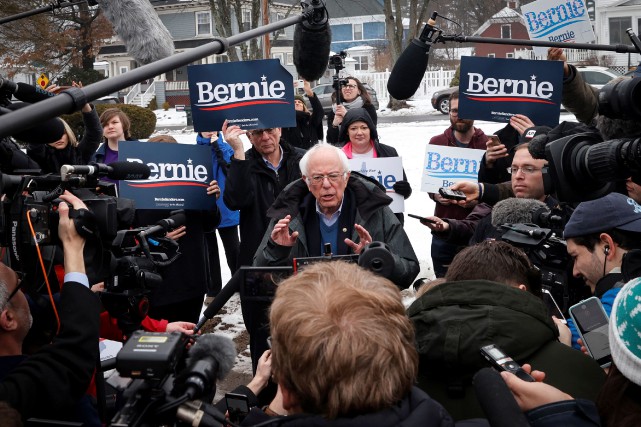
494	141
553	307
451	194
592	323
237	407
422	219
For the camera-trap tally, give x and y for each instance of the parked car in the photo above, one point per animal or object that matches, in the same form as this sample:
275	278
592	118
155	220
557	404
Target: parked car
597	76
324	95
441	99
106	100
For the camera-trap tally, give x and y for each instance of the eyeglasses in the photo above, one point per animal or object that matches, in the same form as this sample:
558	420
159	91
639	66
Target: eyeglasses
350	86
454	112
528	170
20	276
259	132
332	177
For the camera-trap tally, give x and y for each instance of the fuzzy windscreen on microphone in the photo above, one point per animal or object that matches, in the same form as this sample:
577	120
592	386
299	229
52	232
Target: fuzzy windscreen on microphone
311	51
221	348
515	211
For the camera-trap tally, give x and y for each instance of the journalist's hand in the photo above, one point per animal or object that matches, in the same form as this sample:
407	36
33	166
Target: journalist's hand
72	243
263	373
530	395
186	328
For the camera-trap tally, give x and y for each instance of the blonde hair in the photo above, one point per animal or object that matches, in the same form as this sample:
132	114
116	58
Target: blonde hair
341	341
73	141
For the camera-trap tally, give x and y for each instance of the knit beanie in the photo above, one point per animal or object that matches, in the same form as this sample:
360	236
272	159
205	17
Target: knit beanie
625	331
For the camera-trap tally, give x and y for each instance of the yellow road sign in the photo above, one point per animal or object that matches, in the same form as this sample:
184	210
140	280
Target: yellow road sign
43	80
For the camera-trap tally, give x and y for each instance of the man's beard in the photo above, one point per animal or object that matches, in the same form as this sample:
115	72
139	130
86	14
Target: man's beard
462	125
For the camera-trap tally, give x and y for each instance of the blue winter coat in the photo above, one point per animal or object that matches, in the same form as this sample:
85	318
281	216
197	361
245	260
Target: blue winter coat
228	218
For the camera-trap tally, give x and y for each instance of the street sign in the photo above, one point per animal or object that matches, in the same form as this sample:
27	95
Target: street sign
43	80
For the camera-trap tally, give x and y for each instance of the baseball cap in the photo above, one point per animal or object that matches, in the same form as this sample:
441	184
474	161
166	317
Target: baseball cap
608	212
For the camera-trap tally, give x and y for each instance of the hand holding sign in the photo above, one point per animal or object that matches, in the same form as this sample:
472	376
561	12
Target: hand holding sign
557	54
232	136
520	123
213	189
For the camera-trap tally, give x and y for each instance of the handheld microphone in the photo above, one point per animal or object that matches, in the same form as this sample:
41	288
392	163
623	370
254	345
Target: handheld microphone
410	67
138	25
496	400
211	358
536	146
220	300
164	225
516	211
115	170
312	40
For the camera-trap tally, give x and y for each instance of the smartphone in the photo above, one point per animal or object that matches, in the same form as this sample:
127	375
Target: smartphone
592	323
553	307
502	362
237	406
494	141
422	219
451	194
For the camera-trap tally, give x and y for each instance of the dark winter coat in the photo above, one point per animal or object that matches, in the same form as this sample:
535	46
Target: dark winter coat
332	132
455	319
50	159
368	207
252	188
309	127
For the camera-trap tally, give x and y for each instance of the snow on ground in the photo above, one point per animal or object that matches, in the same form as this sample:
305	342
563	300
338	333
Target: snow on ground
409	139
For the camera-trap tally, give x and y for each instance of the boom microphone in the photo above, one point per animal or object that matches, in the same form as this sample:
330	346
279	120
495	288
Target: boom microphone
496	400
164	225
211	358
138	25
312	39
220	300
515	211
410	67
115	170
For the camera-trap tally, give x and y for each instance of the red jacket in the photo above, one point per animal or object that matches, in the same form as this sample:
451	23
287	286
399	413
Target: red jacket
478	141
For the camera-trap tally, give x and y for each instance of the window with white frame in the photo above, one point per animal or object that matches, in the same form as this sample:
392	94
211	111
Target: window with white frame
362	63
617	30
221	58
279	56
509	55
358	31
506	31
289	58
491	55
247	19
203	23
124	69
280	17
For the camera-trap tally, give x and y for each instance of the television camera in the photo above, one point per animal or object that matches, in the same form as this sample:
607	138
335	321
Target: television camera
336	63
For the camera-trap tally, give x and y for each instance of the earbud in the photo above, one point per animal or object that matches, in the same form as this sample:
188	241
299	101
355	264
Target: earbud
606	250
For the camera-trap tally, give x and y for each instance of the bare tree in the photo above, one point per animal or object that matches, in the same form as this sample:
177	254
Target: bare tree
225	12
51	41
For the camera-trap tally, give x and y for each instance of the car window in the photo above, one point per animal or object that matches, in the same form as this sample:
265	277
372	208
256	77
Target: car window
596	77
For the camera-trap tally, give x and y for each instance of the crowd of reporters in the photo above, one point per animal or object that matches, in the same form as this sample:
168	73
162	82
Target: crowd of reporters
344	350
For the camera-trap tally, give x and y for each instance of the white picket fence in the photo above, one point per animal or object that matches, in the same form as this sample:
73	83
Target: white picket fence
431	80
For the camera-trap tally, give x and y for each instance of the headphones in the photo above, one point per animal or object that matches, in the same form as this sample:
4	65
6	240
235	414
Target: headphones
606	250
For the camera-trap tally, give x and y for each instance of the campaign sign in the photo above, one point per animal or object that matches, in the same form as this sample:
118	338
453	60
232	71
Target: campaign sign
445	166
180	175
385	170
565	21
495	89
250	94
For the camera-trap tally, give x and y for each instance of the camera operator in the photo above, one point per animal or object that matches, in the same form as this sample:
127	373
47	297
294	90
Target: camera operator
353	95
50	382
599	235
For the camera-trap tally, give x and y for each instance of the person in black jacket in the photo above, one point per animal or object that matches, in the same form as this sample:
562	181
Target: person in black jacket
353	95
359	138
50	382
309	124
254	179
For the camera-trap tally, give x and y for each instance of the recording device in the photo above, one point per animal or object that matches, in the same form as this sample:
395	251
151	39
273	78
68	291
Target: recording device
312	40
260	283
167	376
410	67
592	323
502	362
336	63
115	171
422	219
237	406
451	194
552	306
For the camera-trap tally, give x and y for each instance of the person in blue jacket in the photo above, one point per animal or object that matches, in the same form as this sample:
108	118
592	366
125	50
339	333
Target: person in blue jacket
221	153
600	234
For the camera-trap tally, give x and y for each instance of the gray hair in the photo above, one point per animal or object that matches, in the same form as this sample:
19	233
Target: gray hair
323	146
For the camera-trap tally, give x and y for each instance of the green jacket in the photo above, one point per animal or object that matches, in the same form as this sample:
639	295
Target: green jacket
370	211
455	319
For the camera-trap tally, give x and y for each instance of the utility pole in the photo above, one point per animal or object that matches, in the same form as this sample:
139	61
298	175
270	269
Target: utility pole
266	43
